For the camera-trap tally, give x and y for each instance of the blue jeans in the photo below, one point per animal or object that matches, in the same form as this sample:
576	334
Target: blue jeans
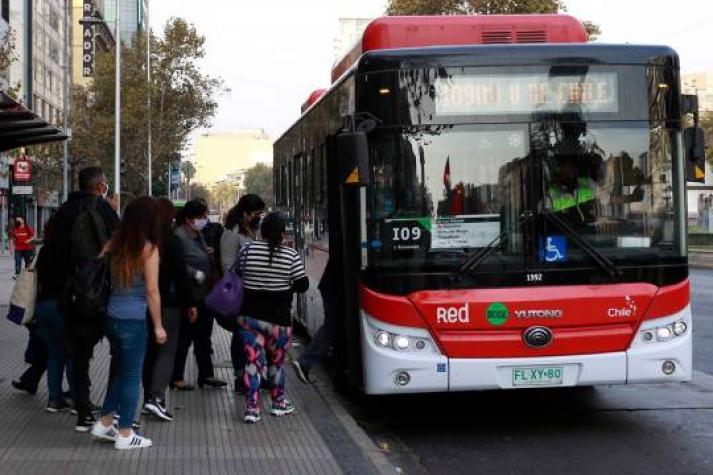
128	349
50	325
22	256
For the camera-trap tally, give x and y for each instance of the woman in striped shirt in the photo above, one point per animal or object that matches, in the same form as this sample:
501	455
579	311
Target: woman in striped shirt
272	272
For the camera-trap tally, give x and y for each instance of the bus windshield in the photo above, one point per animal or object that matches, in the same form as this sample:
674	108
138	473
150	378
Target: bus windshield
440	192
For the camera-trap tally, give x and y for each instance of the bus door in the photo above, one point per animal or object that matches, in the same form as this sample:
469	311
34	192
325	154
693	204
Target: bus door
295	232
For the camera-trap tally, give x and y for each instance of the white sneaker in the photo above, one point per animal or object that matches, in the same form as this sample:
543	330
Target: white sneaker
102	432
133	441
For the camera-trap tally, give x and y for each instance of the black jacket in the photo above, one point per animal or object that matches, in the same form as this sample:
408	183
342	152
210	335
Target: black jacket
55	263
173	281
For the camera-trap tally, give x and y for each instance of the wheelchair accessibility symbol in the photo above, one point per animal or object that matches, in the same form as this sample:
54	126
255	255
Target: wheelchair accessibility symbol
553	249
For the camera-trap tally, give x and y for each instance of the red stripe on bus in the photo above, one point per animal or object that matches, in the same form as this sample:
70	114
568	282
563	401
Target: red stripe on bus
669	300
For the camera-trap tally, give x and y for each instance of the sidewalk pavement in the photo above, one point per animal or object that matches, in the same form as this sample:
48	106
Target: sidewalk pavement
207	435
700	257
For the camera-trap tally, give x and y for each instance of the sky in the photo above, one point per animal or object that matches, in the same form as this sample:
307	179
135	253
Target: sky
272	54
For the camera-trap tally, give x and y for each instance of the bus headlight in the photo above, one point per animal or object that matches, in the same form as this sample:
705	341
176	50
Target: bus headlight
383	339
665	333
401	343
401	339
680	328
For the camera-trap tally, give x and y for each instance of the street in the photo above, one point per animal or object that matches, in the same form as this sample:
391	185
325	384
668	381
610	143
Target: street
616	429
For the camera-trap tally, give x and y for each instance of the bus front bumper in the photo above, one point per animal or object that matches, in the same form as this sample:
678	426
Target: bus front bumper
388	371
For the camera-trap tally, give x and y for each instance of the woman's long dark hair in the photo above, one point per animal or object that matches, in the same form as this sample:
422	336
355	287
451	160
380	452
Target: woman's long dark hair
273	231
165	214
246	204
137	227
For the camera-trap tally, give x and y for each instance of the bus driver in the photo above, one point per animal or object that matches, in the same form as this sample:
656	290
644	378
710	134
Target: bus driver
570	194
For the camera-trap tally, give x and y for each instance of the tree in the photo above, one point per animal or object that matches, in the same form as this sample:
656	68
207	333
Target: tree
7	49
258	180
482	7
706	122
197	190
183	99
224	196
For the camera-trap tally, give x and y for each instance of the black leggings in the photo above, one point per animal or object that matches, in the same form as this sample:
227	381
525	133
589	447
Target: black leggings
199	334
160	359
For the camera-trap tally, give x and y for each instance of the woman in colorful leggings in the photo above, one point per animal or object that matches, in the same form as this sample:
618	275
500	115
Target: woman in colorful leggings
272	273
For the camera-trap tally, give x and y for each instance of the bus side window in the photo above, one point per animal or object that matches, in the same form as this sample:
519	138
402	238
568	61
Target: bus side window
323	166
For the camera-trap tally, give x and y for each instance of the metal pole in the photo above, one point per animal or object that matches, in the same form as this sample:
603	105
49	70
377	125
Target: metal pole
117	113
65	160
28	29
148	99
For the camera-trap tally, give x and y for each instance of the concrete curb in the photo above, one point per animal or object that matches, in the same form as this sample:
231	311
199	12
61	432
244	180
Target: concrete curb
326	390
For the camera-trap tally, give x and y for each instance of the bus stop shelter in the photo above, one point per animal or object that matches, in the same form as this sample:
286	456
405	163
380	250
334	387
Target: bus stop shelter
20	127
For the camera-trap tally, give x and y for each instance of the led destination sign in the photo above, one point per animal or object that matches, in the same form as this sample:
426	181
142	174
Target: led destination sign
526	94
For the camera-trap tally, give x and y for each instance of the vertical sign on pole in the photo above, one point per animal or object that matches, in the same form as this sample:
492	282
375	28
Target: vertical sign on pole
88	41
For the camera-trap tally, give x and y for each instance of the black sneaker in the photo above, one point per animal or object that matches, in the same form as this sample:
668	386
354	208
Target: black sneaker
93	408
85	424
212	382
158	409
54	407
23	386
302	372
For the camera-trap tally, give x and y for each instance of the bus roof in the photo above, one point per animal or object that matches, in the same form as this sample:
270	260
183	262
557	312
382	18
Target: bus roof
313	97
520	55
459	30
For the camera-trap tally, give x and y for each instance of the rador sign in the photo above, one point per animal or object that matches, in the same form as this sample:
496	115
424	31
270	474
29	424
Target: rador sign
88	41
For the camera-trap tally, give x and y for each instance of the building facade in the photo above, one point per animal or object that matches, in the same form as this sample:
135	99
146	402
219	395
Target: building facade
89	40
702	85
134	18
220	155
4	29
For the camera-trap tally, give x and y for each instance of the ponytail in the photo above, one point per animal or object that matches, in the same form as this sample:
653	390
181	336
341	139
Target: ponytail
273	231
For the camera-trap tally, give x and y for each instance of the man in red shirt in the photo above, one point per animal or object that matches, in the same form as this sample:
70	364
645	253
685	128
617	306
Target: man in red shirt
22	236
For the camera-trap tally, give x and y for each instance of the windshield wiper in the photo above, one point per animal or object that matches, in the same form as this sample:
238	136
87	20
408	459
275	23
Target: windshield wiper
603	261
473	260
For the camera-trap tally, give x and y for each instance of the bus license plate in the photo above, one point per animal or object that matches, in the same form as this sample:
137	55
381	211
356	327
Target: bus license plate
537	376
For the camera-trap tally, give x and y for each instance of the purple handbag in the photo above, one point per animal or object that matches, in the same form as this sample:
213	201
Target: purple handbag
226	298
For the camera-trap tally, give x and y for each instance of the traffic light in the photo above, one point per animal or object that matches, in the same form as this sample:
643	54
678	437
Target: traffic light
122	167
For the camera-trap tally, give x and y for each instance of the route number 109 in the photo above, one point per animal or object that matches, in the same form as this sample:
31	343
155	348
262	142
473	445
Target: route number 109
407	234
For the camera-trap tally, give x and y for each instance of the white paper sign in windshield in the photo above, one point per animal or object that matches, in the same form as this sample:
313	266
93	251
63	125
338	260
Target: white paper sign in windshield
498	94
465	231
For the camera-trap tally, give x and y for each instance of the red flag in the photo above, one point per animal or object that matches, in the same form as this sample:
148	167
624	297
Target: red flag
447	174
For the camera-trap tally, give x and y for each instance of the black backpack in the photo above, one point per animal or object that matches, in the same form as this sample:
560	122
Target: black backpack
88	291
86	294
88	234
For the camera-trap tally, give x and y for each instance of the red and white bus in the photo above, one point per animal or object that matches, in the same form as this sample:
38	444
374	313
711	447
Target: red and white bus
507	201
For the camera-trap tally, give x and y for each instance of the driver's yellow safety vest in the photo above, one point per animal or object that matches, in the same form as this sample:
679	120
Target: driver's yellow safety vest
564	201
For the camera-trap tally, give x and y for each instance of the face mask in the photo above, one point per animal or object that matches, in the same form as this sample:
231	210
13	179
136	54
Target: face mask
199	224
254	223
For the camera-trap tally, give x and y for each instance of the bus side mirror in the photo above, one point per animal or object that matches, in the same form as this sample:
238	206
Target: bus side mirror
353	152
695	146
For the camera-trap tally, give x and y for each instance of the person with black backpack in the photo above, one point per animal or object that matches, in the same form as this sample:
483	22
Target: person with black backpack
82	226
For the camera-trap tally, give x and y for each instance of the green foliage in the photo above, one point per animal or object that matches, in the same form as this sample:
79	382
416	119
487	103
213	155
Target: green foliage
7	49
706	122
183	99
258	180
482	7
